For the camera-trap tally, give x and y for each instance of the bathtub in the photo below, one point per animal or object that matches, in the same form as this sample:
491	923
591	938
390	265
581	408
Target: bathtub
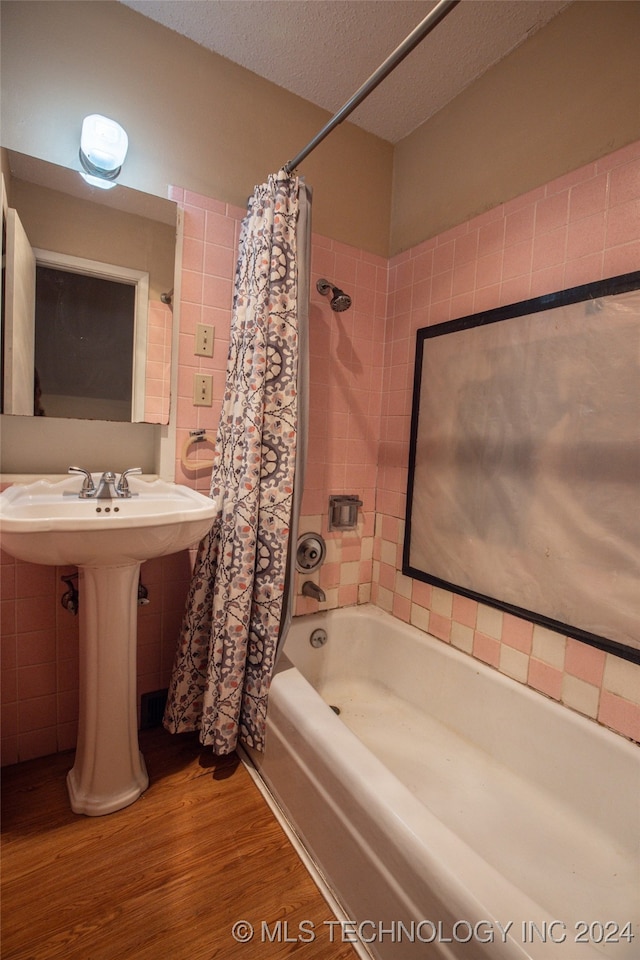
452	812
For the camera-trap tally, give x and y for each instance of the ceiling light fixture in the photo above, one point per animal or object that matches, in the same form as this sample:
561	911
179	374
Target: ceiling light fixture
103	147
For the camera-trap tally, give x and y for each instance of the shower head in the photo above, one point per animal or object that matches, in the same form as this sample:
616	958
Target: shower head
340	300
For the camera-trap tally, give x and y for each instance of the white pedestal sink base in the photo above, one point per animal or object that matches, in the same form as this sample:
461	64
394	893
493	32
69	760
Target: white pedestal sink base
107	539
109	771
85	799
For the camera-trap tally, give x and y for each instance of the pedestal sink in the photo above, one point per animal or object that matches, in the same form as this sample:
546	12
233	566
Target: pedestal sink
107	540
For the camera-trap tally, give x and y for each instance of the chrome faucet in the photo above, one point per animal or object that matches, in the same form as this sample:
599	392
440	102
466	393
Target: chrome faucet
107	488
311	589
122	488
88	487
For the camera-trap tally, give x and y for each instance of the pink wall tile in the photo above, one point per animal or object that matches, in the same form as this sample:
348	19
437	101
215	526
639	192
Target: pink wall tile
586	236
33	613
465	610
33	580
552	212
466	248
545	678
620	714
441	286
581	227
571	178
517	633
194	221
40	663
9	686
515	289
37	647
37	713
440	626
219	260
516	261
485	648
443	257
220	229
348	595
489	269
622	223
402	608
202	204
404	273
624	182
192	254
519	225
37	680
491	236
624	259
192	286
584	270
387	576
487	298
421	593
36	743
584	661
549	249
464	278
589	198
549	278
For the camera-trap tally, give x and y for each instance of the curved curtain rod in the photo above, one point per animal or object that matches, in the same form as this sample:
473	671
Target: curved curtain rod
440	10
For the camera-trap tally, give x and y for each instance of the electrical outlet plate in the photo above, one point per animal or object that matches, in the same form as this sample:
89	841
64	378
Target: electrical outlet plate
202	389
205	336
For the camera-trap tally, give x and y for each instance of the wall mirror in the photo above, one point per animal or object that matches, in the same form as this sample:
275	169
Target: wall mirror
87	278
524	472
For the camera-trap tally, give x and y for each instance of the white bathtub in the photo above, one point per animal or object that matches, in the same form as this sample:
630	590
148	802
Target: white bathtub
454	812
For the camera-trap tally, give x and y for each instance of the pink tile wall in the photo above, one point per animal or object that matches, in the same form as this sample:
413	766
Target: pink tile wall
158	369
39	650
211	233
39	637
582	227
346	356
346	366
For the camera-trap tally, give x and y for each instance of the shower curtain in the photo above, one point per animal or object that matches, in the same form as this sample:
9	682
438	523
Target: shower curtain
238	598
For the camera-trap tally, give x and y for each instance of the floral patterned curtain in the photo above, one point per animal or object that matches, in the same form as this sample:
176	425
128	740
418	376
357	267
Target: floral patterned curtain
236	600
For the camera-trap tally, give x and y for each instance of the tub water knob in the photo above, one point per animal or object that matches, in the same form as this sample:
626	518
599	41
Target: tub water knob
311	552
318	638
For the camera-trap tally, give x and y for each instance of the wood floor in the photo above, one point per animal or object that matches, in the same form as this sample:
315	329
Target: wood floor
164	879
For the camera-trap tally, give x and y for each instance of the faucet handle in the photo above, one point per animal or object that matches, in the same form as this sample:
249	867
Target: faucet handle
88	486
123	482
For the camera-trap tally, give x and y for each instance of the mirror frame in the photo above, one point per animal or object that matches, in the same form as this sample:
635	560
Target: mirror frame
448	442
67	182
136	278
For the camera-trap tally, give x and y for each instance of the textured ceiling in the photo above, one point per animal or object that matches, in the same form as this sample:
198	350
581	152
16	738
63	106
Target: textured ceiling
324	50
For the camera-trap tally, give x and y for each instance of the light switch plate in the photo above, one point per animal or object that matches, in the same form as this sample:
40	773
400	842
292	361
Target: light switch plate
202	389
205	335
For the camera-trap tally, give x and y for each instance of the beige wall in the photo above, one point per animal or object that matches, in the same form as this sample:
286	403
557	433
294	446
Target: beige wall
565	97
194	119
569	95
77	227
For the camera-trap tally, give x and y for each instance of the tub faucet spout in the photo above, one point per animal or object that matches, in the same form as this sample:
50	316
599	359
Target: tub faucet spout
311	589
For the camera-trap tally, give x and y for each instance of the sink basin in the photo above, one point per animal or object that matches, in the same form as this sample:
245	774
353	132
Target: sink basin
107	540
45	522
